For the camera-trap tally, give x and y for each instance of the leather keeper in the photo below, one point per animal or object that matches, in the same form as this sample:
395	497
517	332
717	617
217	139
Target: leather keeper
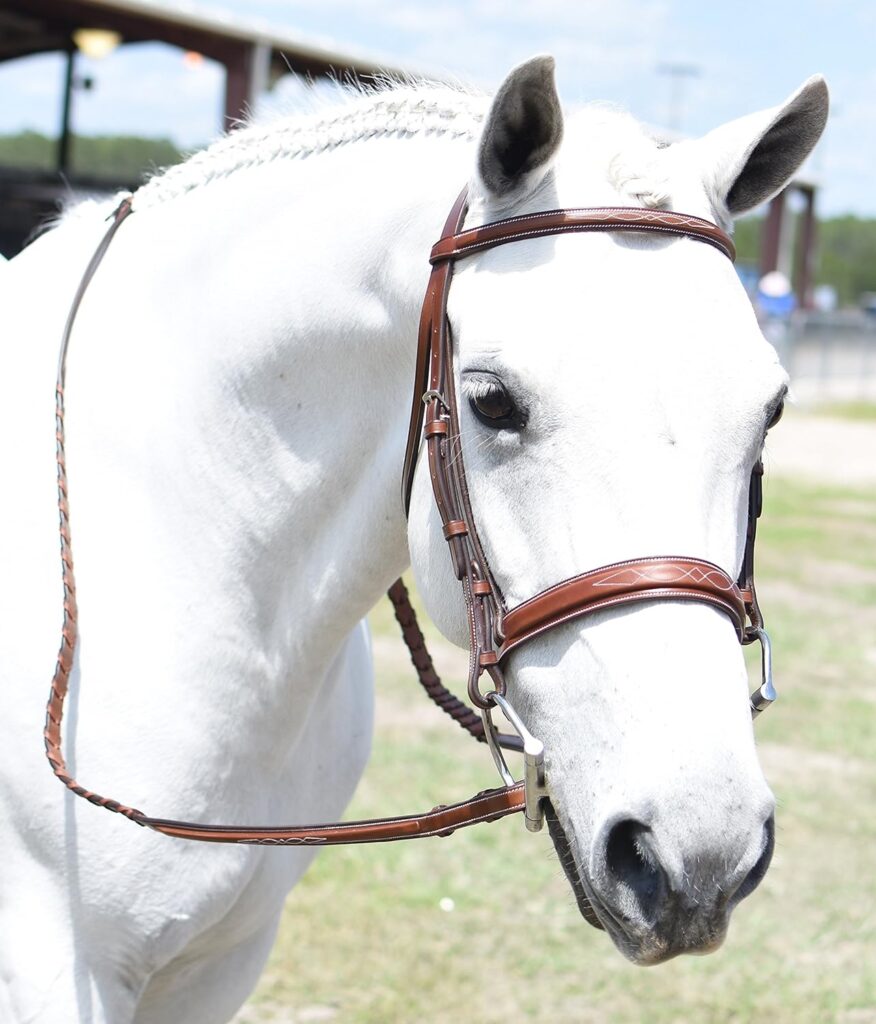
436	427
455	528
488	658
481	588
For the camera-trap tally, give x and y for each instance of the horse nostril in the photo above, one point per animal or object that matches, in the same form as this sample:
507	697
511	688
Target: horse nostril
631	862
753	878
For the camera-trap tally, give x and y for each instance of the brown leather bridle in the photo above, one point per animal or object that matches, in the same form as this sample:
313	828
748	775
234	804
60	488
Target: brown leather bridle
495	630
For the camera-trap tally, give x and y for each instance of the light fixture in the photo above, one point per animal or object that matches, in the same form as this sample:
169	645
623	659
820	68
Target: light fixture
96	42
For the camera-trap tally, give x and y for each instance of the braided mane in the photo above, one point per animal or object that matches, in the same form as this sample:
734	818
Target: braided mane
612	142
400	111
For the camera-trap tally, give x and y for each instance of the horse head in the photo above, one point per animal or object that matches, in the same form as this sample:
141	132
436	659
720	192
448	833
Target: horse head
615	394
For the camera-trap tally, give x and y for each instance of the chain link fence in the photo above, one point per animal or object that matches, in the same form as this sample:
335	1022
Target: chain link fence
831	357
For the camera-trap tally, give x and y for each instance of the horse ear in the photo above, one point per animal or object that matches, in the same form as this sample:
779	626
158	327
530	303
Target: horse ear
754	157
523	130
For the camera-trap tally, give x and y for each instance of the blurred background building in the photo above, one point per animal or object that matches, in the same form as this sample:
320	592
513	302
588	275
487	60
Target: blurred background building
252	59
793	284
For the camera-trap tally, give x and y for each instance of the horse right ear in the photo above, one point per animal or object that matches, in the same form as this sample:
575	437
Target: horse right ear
751	159
523	130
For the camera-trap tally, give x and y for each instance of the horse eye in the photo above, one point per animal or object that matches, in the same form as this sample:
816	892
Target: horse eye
777	414
491	403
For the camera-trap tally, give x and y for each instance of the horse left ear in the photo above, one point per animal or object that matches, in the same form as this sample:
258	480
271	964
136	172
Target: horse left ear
754	157
523	130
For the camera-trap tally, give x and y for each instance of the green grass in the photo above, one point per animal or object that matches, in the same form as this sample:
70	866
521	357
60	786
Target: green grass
364	939
865	411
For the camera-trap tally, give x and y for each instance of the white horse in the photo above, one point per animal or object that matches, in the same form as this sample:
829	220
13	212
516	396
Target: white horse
237	396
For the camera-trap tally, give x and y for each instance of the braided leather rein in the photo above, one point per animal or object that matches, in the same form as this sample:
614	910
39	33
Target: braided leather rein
494	629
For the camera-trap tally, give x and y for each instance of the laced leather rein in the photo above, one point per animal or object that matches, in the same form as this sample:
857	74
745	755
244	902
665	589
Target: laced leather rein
495	630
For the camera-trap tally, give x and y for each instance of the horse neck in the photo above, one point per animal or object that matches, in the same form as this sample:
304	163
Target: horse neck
269	334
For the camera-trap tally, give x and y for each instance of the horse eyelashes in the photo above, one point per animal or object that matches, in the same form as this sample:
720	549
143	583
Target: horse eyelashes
491	403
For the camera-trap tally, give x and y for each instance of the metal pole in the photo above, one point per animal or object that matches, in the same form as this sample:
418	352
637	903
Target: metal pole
64	138
677	73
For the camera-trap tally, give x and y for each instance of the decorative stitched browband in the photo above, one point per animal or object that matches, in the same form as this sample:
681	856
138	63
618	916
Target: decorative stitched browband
495	630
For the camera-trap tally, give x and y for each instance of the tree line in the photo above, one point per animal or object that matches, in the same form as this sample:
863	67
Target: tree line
113	158
846	246
845	253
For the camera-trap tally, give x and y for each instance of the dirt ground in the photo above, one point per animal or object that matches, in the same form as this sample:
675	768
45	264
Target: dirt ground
833	451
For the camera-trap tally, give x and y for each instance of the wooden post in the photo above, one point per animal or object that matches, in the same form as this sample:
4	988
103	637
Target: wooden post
64	136
806	251
246	75
771	235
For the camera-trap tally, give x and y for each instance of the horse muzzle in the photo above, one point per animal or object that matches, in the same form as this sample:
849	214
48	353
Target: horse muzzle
654	902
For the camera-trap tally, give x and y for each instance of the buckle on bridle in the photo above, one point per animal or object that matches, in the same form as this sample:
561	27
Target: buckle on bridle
435	396
535	787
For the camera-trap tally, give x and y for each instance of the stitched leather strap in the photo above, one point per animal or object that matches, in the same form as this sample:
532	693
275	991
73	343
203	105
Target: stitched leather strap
746	576
431	324
644	579
557	222
490	805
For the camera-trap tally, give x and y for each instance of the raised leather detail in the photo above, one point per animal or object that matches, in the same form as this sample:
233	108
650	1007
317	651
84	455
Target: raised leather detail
644	579
555	222
490	805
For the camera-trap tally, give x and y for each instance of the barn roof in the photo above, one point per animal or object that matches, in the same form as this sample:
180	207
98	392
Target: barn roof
38	26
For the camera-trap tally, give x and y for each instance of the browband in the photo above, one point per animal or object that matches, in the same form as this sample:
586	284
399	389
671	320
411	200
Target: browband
456	243
592	218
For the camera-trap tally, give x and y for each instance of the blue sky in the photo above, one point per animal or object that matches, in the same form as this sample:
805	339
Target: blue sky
749	56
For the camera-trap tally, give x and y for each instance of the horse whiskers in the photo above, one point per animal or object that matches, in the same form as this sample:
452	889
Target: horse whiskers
457	446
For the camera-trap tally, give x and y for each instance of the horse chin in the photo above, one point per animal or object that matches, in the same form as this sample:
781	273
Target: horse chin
643	947
564	852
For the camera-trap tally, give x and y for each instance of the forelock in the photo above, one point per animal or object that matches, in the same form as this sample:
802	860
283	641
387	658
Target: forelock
613	145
